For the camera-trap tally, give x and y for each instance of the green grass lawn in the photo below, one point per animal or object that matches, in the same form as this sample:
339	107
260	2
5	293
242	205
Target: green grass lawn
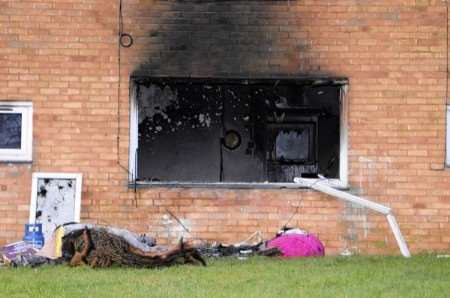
423	276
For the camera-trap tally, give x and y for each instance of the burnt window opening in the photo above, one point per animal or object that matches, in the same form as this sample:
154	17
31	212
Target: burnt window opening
186	130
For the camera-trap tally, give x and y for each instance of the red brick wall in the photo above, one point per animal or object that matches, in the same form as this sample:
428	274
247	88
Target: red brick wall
62	55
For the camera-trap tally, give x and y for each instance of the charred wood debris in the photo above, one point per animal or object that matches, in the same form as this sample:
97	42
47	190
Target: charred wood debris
100	247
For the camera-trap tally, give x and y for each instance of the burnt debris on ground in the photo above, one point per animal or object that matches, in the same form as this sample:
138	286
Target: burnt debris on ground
103	247
98	248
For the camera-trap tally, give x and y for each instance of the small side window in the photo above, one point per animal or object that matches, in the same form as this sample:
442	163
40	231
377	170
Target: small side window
447	159
16	131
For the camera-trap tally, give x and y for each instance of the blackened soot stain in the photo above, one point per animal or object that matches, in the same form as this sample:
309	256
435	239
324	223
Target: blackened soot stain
46	181
60	187
38	214
42	191
69	184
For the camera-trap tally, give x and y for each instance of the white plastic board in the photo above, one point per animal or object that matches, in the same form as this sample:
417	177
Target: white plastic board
55	200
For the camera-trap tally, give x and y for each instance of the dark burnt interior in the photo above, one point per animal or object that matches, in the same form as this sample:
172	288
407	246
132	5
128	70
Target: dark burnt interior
237	130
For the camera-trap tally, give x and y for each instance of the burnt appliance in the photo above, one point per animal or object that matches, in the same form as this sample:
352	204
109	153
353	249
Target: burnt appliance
292	143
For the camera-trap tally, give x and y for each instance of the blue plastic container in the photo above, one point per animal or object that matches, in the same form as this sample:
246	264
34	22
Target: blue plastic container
33	235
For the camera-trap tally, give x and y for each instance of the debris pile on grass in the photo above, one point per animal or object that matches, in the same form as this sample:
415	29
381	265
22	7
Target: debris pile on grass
99	248
288	243
103	247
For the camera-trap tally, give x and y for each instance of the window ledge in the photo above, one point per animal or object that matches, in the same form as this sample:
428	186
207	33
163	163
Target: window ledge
16	161
229	185
439	167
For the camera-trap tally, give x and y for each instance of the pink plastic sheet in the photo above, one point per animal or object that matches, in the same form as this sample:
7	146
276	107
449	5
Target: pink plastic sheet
296	245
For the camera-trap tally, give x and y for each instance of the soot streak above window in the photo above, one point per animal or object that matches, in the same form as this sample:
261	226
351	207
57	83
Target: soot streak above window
233	130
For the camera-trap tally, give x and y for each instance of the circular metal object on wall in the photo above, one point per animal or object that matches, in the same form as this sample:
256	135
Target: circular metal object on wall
232	139
126	40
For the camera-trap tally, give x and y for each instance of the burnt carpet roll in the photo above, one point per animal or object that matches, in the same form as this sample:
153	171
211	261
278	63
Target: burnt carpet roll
101	249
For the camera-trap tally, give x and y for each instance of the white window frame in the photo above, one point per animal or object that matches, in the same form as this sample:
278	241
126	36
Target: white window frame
447	155
77	177
341	182
24	154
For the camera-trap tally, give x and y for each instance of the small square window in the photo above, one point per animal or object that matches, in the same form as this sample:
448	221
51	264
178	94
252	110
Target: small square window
16	131
447	159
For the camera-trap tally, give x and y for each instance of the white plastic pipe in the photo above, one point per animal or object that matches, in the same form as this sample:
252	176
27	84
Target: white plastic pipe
324	188
398	235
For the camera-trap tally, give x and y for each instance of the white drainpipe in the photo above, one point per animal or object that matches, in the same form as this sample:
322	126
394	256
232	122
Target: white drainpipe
325	188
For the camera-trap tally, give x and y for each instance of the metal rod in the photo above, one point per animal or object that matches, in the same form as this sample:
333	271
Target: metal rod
178	220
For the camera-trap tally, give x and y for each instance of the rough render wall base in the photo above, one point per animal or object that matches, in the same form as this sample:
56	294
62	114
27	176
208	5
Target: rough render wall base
62	55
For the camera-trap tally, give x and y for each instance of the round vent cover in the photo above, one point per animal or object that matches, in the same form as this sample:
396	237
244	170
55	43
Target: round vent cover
232	139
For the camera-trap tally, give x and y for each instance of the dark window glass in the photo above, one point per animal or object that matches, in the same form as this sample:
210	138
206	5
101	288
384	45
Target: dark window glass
10	130
231	130
292	145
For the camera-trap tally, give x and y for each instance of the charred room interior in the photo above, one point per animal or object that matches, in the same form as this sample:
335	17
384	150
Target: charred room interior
228	131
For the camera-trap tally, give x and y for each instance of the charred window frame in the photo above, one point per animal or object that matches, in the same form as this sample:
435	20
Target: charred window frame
16	131
305	127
